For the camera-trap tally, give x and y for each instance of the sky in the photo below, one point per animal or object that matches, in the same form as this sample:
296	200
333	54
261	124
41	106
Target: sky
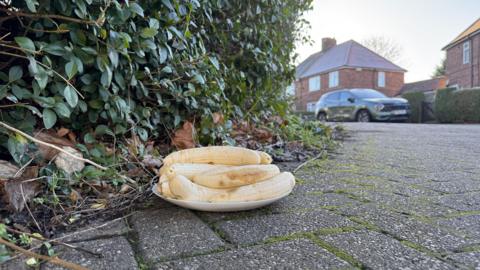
420	27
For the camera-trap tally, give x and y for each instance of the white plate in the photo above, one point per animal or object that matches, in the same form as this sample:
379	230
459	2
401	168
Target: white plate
219	206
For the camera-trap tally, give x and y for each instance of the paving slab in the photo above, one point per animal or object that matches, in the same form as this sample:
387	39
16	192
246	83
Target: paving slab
172	232
293	202
406	227
116	253
294	254
259	228
468	224
469	259
106	238
377	251
462	202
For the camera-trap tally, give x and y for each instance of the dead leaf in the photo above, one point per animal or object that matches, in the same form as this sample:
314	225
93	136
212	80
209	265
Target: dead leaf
71	136
7	170
74	195
18	192
62	132
67	163
135	172
125	188
152	162
51	137
217	118
184	137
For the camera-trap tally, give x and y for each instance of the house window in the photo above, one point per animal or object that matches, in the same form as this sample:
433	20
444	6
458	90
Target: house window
381	79
466	52
311	107
314	83
333	79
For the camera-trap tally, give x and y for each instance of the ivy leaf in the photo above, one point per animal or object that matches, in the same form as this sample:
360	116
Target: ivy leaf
214	62
113	56
148	32
62	110
88	138
41	77
71	96
106	78
31	5
167	69
199	79
71	69
49	118
15	73
21	92
163	54
136	8
25	43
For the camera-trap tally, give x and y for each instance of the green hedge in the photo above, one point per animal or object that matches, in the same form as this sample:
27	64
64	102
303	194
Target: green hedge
458	106
415	99
109	69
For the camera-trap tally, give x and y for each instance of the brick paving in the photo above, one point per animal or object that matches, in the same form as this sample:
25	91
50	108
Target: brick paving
393	196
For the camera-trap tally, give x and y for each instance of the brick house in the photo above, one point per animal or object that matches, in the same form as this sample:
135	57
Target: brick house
463	58
344	66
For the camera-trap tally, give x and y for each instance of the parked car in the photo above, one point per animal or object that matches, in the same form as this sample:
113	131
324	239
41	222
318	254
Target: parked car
362	105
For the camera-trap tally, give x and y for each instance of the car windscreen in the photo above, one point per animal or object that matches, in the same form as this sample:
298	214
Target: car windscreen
366	93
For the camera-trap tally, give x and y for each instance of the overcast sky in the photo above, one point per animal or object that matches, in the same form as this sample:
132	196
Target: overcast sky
421	27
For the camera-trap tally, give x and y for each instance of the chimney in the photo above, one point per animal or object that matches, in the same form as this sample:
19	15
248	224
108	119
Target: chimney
328	43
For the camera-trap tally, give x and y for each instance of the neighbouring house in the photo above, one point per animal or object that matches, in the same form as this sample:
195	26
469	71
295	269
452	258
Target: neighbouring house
344	66
463	58
428	87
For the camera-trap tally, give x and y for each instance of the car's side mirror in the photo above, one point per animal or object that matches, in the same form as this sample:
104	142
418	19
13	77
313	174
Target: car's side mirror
351	99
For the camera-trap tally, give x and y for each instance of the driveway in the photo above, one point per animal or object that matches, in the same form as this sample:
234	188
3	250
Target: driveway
394	196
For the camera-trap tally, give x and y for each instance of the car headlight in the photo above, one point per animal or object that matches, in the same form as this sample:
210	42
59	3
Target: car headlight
379	107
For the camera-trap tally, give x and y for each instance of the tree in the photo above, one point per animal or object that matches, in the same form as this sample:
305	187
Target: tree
384	46
440	69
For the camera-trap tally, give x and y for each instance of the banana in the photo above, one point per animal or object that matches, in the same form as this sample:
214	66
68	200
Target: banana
234	176
264	157
278	185
190	170
226	155
163	187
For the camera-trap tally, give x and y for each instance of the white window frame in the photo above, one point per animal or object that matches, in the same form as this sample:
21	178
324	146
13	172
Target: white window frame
381	80
314	83
333	79
466	52
311	106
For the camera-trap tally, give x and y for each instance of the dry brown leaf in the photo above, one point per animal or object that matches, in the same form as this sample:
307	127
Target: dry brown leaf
217	118
125	188
184	137
51	137
18	192
67	163
71	136
74	195
62	132
135	172
152	162
7	170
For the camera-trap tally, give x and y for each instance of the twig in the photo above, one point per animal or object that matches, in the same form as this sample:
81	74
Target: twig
310	160
49	16
54	260
28	208
52	146
20	171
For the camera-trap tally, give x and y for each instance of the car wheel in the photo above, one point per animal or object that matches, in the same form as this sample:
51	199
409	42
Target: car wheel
363	116
322	117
